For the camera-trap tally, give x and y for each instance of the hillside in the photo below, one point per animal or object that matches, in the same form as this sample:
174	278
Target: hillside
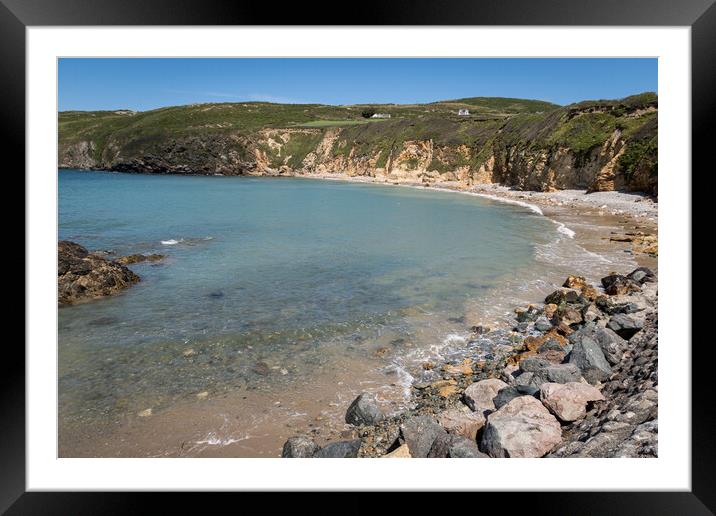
527	144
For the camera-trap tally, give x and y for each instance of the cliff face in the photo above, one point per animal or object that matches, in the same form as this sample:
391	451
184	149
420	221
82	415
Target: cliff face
596	145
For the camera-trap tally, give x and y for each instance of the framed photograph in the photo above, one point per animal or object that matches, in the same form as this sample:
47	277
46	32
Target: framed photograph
424	232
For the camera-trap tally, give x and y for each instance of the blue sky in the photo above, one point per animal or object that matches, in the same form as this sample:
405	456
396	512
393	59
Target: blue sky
141	84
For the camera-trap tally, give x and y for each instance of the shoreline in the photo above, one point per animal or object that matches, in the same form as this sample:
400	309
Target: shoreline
546	204
578	379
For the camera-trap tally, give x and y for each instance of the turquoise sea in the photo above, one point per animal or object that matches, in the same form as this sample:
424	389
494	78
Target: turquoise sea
306	274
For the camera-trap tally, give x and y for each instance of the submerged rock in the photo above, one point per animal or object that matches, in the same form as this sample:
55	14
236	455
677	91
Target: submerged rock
138	258
82	275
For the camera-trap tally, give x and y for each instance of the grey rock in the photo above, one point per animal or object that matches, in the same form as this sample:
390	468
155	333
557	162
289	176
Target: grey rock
611	344
542	324
364	411
505	396
550	345
524	379
589	358
339	450
509	393
441	446
624	325
463	448
528	315
534	364
527	390
642	275
591	313
521	327
419	433
299	446
557	373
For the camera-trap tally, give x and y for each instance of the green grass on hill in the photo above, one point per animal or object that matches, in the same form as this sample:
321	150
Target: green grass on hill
338	123
500	122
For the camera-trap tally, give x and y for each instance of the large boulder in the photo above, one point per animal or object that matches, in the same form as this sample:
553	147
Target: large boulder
522	428
577	282
622	304
534	364
479	395
587	355
611	344
82	275
558	373
339	450
568	401
562	296
542	324
548	372
364	411
527	314
625	325
616	284
419	433
568	315
299	447
463	448
642	275
507	394
460	422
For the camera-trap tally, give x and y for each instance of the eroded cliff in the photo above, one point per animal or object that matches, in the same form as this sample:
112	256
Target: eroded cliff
592	145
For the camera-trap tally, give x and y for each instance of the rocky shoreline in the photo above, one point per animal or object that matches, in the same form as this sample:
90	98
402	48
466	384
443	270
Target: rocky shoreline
575	377
83	275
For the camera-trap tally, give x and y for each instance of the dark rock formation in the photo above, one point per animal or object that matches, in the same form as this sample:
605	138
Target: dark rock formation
364	411
82	275
299	447
339	450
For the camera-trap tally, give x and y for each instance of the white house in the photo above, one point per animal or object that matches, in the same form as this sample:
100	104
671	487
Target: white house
464	112
381	115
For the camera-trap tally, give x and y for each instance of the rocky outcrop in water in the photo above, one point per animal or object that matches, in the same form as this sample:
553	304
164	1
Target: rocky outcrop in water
82	275
575	388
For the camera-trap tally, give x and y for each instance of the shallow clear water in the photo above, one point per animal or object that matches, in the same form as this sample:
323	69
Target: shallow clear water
299	274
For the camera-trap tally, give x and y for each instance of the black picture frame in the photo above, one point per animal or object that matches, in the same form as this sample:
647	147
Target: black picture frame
17	15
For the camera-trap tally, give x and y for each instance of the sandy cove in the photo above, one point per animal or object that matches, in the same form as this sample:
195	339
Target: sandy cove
631	213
